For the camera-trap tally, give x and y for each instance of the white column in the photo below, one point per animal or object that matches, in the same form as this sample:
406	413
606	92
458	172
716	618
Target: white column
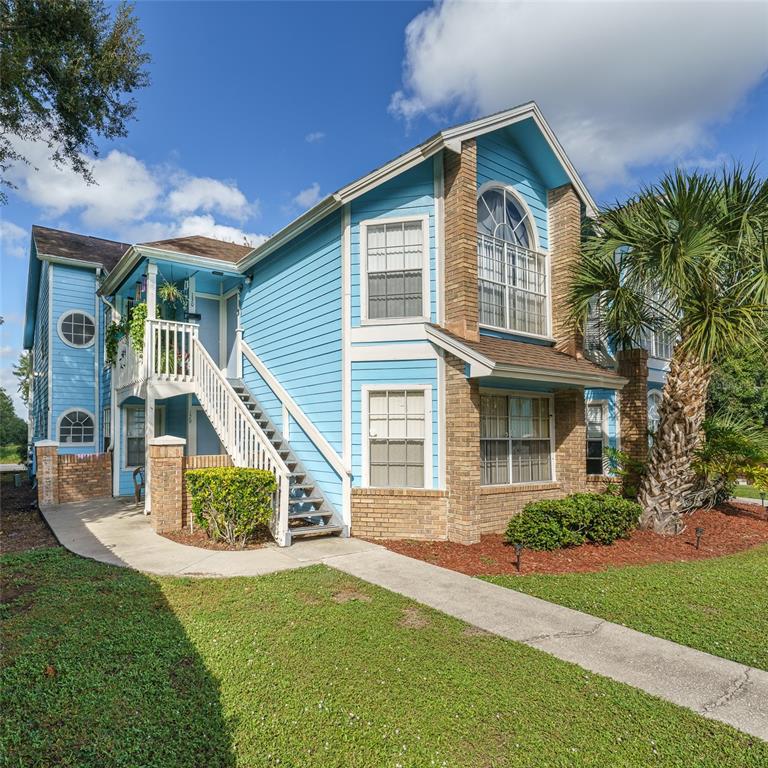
149	435
151	290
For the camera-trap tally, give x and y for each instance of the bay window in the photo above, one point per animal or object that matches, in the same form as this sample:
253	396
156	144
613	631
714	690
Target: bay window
515	439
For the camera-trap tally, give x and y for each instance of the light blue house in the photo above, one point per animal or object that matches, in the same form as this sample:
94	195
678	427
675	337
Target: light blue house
399	355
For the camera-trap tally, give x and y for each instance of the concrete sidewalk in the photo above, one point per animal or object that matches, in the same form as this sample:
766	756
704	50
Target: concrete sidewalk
117	532
714	687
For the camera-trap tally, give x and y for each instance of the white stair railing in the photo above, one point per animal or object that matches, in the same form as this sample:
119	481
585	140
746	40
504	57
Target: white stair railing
241	435
169	354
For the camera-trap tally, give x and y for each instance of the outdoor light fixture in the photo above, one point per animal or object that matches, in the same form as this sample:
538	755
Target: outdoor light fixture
518	554
677	527
699	534
248	279
762	499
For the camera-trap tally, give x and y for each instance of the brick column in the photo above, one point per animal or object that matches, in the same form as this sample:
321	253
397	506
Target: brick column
166	457
564	248
462	457
633	413
570	440
47	461
460	183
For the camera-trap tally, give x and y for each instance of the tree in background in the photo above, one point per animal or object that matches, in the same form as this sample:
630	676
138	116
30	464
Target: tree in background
66	67
740	384
13	430
686	256
23	372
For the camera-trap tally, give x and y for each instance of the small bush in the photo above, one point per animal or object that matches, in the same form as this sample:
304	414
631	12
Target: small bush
232	504
597	517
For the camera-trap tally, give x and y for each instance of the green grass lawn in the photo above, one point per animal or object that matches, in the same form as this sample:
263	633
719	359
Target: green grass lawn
108	667
718	605
10	454
746	492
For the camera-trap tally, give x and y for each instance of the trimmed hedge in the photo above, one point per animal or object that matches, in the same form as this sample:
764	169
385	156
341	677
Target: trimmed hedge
232	503
597	517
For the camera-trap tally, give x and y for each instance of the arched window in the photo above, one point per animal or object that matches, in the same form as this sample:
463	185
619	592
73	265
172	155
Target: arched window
654	410
76	428
77	329
512	275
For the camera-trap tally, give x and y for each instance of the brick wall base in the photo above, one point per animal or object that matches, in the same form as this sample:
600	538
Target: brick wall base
84	477
497	503
166	456
399	513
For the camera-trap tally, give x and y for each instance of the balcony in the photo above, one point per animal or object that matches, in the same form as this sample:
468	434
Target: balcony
166	359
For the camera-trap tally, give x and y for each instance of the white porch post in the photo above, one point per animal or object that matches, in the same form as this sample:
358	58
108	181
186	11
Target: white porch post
151	290
149	435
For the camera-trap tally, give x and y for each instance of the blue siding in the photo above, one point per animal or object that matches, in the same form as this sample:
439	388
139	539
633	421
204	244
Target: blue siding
323	474
395	372
611	398
74	370
40	361
409	194
291	316
500	159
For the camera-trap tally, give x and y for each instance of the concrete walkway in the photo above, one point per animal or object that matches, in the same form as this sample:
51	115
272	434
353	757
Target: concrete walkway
119	533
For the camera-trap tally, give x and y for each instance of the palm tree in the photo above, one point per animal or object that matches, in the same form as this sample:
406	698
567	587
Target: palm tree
686	256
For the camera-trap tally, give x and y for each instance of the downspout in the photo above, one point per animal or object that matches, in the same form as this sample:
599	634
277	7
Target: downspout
113	415
97	382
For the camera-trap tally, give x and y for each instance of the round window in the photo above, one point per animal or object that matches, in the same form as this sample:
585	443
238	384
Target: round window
77	329
76	427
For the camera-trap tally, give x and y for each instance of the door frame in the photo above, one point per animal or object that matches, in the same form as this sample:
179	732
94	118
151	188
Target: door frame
223	352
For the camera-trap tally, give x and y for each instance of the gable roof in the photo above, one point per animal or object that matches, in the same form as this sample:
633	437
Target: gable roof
521	360
197	245
450	139
58	244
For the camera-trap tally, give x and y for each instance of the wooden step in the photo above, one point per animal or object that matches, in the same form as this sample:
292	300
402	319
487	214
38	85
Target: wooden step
308	515
315	530
305	499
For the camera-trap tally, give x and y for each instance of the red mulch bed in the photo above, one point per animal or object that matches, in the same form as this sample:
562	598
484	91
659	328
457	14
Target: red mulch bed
199	538
729	528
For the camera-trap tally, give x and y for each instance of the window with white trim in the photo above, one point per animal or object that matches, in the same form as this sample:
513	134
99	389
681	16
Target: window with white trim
397	424
77	329
512	277
654	411
106	428
515	439
134	434
661	344
596	438
396	269
76	428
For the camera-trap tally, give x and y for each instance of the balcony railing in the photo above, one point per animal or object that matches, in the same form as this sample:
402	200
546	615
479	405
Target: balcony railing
168	354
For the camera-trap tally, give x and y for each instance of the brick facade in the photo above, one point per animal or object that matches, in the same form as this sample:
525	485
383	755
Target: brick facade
564	248
633	365
166	457
399	513
85	477
570	440
462	452
497	503
460	184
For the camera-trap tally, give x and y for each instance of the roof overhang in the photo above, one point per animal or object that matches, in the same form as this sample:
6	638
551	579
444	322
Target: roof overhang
482	366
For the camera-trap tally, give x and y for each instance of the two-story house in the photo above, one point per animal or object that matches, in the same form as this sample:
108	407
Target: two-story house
400	355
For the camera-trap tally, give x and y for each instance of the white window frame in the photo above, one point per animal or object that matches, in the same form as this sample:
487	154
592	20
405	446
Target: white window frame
426	303
550	397
106	427
426	389
533	233
652	394
60	323
604	428
654	344
92	443
159	414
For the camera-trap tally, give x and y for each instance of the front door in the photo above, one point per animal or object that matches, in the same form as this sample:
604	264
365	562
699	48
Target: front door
208	333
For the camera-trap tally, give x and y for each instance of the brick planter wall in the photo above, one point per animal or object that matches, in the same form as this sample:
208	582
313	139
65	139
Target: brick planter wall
166	457
84	477
399	513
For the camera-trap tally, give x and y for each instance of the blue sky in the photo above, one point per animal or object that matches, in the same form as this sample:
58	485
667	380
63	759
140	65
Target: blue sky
256	110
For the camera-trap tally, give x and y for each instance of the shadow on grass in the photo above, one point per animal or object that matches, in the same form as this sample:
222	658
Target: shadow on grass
96	670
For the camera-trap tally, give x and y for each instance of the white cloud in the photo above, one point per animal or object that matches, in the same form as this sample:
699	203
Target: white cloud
314	137
13	239
204	225
623	83
308	197
206	194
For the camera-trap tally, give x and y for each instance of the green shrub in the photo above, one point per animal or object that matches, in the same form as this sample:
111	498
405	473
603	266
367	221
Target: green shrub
597	517
232	503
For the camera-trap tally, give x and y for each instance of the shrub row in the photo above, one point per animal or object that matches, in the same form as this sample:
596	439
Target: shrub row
232	503
597	517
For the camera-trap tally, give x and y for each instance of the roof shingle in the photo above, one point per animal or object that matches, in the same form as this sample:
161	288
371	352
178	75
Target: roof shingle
68	245
197	245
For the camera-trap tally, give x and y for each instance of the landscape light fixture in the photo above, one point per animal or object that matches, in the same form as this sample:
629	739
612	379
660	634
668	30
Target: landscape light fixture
677	527
699	534
518	555
762	499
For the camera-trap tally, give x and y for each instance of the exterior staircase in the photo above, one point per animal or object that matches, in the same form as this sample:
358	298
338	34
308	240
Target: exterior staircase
309	511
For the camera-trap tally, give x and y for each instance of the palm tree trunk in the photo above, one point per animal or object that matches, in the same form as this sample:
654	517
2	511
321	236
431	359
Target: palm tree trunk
670	475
